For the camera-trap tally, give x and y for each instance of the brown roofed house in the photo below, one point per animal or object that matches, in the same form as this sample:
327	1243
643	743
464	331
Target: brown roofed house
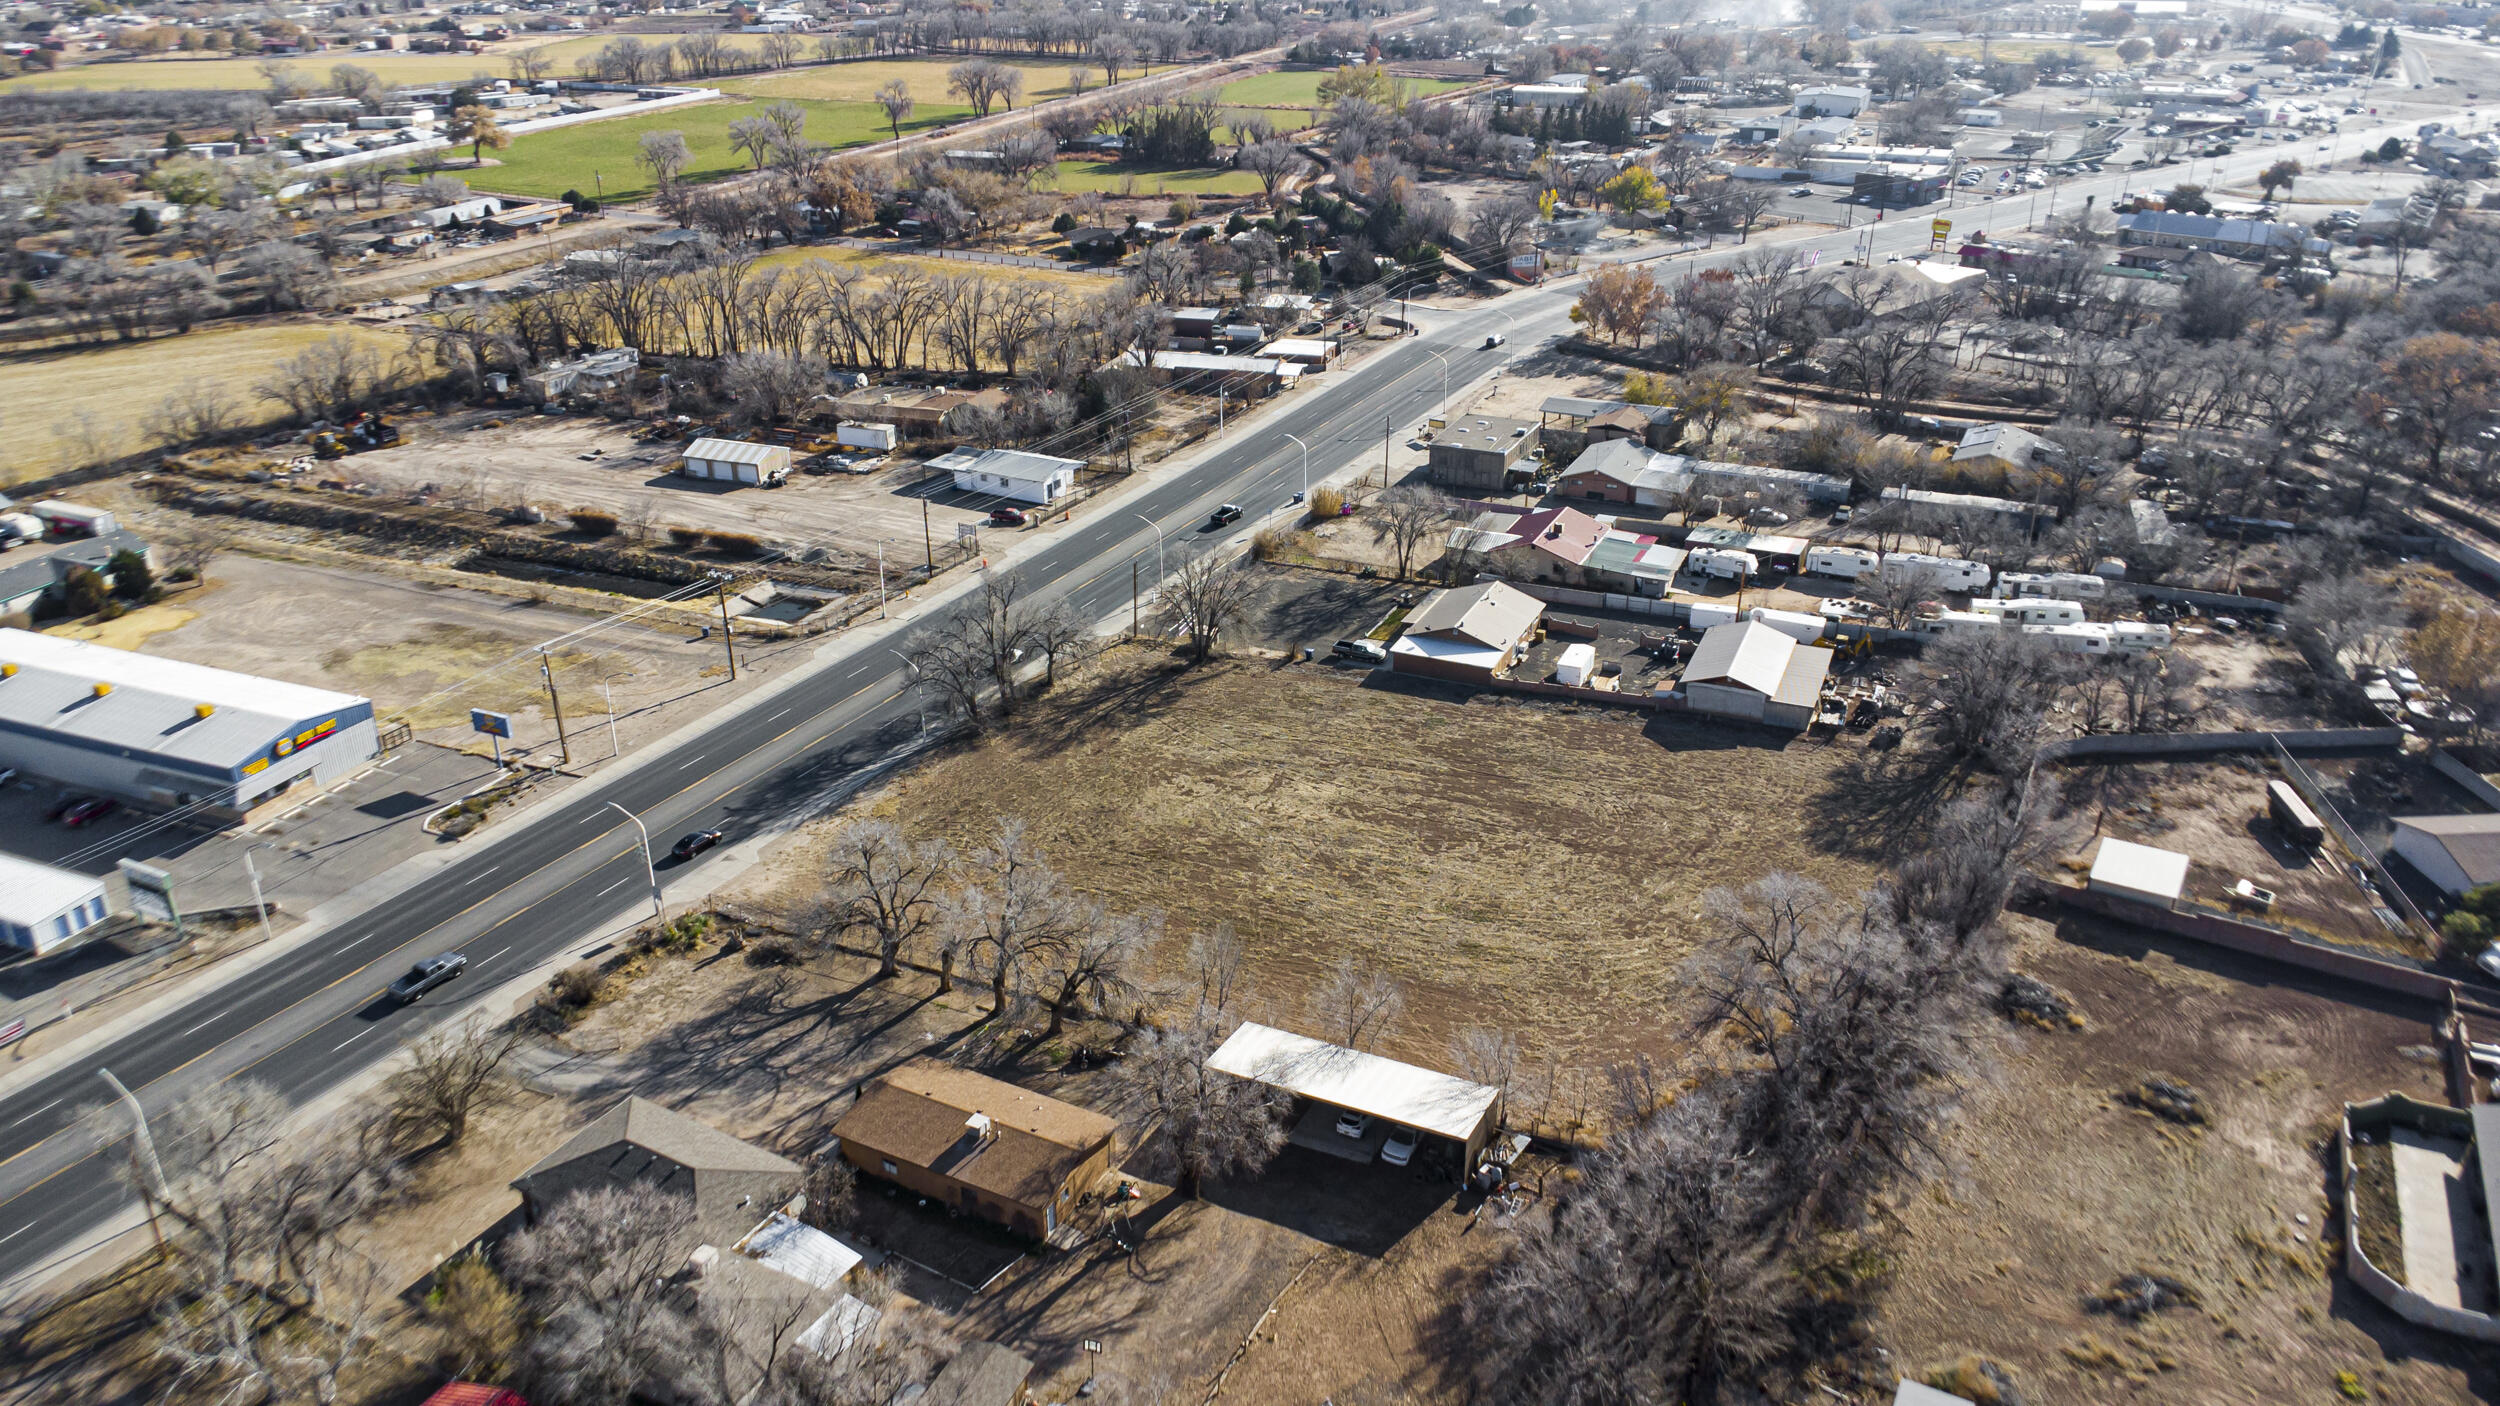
988	1148
734	1184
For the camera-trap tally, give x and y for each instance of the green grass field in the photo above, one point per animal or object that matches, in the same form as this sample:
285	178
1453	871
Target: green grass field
1283	119
548	164
1112	178
859	81
1302	89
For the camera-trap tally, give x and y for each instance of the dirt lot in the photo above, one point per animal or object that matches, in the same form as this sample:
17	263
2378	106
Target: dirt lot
2059	1188
2215	812
1532	866
539	460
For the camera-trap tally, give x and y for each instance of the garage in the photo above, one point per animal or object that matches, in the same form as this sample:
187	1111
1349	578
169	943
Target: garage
1354	1105
737	461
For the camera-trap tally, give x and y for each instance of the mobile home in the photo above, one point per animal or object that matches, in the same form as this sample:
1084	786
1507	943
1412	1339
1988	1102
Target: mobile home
2062	585
1842	563
2031	612
1944	573
2073	639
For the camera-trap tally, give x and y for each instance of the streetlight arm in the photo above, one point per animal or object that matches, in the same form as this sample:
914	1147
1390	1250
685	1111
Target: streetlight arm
650	870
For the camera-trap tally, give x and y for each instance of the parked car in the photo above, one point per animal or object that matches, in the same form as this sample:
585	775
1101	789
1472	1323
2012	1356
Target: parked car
1224	516
2489	961
1008	517
1400	1148
1354	1125
427	975
66	802
694	843
7	775
1842	514
1767	517
88	812
1369	651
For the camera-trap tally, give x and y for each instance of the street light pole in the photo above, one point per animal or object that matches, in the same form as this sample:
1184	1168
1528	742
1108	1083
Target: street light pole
555	705
917	701
608	692
883	612
1150	522
1306	466
147	1149
1444	359
650	870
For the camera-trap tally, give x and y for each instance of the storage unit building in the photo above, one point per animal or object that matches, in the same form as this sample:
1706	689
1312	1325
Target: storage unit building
736	461
1010	473
2456	852
42	907
164	732
1750	671
1457	1117
2142	873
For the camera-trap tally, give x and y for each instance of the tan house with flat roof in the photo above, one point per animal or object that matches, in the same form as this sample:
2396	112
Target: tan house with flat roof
986	1147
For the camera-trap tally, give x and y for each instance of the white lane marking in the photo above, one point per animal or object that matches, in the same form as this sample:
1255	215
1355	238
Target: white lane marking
12	1235
780	715
485	874
203	1025
38	1112
614	886
690	761
482	961
343	1044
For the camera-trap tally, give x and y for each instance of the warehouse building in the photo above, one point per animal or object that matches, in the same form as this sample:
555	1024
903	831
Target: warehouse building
163	732
1752	671
737	461
42	907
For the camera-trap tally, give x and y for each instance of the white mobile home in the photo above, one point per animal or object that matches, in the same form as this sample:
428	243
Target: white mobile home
2138	636
1843	563
1803	628
1944	573
2073	639
1723	565
2060	584
2030	612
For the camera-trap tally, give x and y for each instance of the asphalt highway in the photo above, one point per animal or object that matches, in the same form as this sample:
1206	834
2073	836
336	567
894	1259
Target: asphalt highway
316	1017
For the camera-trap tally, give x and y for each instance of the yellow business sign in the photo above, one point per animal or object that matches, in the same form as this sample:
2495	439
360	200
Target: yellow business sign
1940	228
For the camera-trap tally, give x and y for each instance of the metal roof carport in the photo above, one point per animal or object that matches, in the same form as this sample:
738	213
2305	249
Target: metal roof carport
1442	1105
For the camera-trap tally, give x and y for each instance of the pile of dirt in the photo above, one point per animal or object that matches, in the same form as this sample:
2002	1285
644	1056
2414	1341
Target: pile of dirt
2170	1101
2136	1296
2036	1003
1978	1380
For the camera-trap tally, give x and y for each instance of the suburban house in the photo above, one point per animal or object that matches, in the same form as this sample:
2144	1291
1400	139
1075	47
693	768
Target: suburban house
1595	421
1751	671
1009	473
987	1148
2007	449
1478	451
916	411
734	1184
1622	471
1455	1118
1467	634
1548	544
2456	852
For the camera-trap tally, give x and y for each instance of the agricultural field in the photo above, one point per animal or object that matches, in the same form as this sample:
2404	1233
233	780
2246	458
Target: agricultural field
1301	89
547	164
1550	888
1120	178
859	81
117	384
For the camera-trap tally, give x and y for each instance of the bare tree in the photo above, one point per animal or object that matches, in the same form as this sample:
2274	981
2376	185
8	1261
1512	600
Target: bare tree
1213	967
2003	682
1274	162
1207	596
1204	1124
1407	517
885	886
451	1075
974	654
2340	610
1095	966
1357	1006
595	1275
1487	1055
1016	912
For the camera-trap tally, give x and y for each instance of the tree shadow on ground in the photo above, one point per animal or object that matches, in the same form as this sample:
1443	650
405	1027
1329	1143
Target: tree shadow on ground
1106	702
1877	805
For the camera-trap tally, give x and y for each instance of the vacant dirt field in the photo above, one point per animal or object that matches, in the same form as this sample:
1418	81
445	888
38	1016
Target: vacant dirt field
1527	866
2059	1187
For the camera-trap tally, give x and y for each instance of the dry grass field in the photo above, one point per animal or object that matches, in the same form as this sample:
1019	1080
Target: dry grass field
117	384
1530	867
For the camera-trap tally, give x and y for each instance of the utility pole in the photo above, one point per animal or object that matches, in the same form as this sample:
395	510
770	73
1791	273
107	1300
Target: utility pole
257	902
1386	423
555	705
928	544
608	692
720	592
1132	600
147	1149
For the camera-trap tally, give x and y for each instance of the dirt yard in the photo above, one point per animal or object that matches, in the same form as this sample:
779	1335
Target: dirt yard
1535	867
2059	1187
559	462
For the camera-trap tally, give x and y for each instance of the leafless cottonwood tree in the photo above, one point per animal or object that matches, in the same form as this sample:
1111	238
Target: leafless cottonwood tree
1407	517
2003	682
1956	883
1206	1125
1097	965
885	886
1358	1006
594	1276
1212	969
1207	596
1015	912
972	656
451	1075
1488	1056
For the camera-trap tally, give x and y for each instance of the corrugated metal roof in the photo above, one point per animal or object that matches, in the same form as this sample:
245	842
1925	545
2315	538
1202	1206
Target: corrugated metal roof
1442	1104
151	704
734	451
1016	464
801	1251
1757	656
31	893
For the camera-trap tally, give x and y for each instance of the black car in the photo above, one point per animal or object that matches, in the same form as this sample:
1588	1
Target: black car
1229	513
690	845
1007	517
427	975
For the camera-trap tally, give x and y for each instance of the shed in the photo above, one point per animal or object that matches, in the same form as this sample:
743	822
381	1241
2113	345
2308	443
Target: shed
1751	671
1458	1111
2143	873
1578	661
42	907
1316	352
736	461
2456	852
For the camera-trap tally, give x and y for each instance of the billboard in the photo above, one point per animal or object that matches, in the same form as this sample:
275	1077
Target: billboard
151	892
492	724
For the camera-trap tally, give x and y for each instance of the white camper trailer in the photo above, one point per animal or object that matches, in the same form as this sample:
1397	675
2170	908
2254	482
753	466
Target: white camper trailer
1956	622
2139	636
2060	585
2031	612
1724	565
2074	639
1943	573
1843	563
1805	629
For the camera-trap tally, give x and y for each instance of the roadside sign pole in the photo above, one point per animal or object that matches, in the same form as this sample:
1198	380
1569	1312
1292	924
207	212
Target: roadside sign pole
564	745
257	902
729	647
928	544
147	1149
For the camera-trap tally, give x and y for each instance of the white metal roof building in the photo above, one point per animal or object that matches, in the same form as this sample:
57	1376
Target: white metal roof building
2143	873
42	907
2456	852
736	460
1009	473
1442	1105
165	732
1751	671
